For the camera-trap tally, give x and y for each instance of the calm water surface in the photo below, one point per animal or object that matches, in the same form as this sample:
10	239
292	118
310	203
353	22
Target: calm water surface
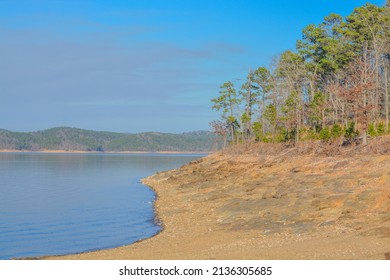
52	204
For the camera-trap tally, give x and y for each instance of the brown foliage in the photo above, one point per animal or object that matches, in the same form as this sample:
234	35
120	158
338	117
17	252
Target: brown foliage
378	145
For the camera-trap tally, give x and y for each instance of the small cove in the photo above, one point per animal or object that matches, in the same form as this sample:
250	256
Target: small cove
54	204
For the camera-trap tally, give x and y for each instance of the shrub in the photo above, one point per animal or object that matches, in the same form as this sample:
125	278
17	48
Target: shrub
288	135
257	130
312	134
351	133
371	130
325	134
267	138
336	131
381	129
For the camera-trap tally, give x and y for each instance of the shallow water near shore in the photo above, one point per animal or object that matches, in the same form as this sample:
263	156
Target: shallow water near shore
54	204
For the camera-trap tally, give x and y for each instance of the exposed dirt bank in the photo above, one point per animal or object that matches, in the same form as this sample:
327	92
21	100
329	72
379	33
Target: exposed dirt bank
273	204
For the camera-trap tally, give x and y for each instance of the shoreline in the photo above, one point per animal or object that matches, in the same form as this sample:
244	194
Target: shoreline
97	152
74	256
269	207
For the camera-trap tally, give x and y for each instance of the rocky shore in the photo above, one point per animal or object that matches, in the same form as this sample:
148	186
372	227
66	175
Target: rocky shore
273	205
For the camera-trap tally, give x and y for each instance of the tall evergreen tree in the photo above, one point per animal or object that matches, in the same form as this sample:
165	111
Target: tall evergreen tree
262	79
226	102
249	97
338	76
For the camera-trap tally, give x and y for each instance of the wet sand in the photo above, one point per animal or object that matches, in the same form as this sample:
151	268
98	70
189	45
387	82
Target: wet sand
226	206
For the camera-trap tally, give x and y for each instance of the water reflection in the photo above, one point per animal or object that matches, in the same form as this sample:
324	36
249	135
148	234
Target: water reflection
67	203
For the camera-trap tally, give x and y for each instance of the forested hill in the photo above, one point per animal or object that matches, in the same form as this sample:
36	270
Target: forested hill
71	139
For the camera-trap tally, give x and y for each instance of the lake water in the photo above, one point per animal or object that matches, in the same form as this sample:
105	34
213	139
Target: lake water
53	204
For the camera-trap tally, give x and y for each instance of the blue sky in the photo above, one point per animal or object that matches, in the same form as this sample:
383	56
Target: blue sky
134	66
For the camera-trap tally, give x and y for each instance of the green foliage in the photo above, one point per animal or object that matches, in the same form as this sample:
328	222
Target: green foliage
288	64
248	93
316	107
336	75
291	103
381	129
65	138
318	100
323	46
262	80
245	118
376	130
257	128
351	133
232	121
336	131
288	135
267	138
270	114
325	134
280	135
227	100
308	133
365	25
371	130
21	141
312	135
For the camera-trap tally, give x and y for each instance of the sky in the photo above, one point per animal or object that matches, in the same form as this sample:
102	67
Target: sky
137	66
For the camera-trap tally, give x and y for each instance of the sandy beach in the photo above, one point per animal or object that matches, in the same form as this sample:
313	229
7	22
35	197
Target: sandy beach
229	206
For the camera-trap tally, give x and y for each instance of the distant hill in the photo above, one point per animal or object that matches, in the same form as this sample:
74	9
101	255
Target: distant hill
67	138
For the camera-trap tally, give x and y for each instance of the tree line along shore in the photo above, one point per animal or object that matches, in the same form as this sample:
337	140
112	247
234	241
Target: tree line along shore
334	85
74	139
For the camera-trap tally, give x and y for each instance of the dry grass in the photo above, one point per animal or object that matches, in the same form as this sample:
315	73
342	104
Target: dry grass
378	145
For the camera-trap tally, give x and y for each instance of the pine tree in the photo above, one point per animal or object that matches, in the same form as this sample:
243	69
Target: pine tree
226	102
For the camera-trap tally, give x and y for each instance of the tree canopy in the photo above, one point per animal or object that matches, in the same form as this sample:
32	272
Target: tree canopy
334	82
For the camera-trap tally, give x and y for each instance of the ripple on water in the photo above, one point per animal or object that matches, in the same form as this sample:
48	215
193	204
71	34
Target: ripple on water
53	204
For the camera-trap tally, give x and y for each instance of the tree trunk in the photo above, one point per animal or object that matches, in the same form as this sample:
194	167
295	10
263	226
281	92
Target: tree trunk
365	120
364	137
323	118
232	132
386	102
262	115
297	128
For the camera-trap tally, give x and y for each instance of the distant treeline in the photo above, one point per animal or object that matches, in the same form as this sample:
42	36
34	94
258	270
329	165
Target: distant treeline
66	138
335	84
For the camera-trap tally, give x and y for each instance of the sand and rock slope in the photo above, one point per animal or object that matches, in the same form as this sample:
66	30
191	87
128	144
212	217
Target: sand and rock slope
278	205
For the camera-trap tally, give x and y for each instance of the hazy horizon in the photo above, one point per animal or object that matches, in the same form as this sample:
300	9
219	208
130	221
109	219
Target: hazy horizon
104	130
